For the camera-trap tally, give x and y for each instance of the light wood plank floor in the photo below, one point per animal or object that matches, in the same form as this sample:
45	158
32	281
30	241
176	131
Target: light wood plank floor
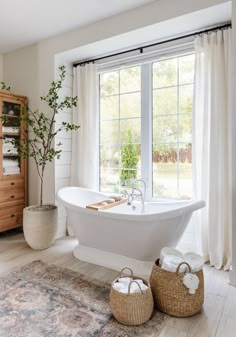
217	319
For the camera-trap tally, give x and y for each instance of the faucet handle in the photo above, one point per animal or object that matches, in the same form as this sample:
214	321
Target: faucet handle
124	193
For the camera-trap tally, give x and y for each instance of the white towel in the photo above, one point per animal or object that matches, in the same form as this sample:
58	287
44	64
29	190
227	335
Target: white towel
171	263
134	288
10	129
119	287
195	261
8	140
11	170
10	163
125	280
167	251
140	282
8	147
123	285
9	150
170	258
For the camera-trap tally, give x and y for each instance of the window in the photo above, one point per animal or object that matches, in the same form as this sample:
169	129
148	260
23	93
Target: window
172	127
145	127
120	127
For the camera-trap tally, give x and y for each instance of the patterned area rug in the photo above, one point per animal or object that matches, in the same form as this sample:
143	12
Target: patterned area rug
41	300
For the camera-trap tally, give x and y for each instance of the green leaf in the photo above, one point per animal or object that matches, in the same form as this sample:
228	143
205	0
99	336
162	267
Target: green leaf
38	142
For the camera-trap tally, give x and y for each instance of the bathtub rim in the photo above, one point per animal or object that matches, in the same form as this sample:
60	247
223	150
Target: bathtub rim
189	208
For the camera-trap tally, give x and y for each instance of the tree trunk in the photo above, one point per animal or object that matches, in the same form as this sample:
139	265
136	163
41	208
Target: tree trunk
41	188
41	192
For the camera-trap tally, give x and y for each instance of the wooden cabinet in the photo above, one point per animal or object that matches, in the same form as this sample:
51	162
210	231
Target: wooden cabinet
13	168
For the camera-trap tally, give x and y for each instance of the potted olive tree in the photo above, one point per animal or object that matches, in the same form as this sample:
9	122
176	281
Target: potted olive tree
38	142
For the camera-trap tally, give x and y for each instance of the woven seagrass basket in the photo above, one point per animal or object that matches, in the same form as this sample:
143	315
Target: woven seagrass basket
131	309
170	294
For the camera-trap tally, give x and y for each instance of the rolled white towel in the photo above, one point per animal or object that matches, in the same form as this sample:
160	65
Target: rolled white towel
144	287
167	251
140	282
125	280
124	288
171	263
135	289
195	261
120	287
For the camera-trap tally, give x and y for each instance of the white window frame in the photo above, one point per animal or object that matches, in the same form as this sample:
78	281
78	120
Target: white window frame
146	63
146	127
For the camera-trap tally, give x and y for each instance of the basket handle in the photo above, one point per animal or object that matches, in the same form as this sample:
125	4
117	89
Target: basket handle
137	284
189	268
131	272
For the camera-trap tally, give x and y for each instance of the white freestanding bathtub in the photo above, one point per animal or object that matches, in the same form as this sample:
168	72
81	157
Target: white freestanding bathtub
122	236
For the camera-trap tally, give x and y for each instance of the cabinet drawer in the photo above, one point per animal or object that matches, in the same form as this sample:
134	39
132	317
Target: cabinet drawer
11	217
5	184
11	195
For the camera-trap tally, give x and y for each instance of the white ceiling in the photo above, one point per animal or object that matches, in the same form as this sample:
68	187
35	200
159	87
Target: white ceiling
187	24
24	22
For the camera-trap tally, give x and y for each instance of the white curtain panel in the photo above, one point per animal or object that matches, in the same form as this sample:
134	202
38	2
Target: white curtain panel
84	166
213	99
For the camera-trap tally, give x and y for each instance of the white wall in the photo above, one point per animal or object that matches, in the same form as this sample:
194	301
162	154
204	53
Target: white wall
233	272
31	69
21	73
1	67
63	165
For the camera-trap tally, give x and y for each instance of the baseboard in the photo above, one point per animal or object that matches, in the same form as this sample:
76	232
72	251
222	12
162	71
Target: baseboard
232	277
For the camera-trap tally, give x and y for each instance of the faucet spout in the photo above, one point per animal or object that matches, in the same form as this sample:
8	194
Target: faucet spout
136	193
143	192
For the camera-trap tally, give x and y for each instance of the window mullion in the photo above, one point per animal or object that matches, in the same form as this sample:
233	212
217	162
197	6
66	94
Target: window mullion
146	127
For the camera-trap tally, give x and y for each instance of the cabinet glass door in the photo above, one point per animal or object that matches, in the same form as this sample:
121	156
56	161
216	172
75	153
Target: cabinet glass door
11	163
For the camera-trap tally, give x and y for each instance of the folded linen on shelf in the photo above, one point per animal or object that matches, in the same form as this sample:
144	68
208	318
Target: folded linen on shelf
170	259
8	140
11	170
10	163
8	147
9	150
11	129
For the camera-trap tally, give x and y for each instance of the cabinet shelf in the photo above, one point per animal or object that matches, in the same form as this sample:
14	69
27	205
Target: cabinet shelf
10	174
11	134
13	168
11	116
10	155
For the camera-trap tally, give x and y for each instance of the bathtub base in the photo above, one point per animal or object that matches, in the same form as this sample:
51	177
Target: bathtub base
112	261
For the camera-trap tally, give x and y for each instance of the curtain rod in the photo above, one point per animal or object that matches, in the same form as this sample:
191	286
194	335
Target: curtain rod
140	49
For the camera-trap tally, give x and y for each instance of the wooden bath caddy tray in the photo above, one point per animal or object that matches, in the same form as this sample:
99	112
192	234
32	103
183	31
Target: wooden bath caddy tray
107	203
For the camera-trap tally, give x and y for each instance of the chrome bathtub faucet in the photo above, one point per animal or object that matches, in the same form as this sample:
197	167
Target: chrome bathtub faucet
126	194
136	193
